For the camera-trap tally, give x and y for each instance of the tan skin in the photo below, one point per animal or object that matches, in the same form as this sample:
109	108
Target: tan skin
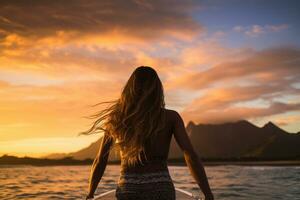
174	125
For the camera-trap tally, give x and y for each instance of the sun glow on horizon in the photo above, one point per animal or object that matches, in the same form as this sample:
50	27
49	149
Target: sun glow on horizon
39	147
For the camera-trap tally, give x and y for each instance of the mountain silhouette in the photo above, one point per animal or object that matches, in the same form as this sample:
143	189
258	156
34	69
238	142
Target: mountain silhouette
88	152
243	139
239	139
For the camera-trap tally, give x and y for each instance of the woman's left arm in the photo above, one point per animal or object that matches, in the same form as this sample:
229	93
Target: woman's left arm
99	165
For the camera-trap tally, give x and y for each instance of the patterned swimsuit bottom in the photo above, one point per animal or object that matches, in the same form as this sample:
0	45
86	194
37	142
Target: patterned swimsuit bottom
156	185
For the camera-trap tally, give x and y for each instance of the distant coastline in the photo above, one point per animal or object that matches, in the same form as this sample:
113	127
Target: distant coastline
7	160
234	142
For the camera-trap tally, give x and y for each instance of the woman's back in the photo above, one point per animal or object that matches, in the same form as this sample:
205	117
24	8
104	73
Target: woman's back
143	128
157	147
141	180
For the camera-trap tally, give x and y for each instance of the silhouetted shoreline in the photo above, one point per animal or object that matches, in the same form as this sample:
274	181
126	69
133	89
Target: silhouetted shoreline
7	160
225	142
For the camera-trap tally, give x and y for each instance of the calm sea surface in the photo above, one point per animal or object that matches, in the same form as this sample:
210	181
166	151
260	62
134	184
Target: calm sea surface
227	182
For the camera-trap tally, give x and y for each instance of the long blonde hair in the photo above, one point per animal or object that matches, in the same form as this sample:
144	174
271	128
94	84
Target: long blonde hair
136	117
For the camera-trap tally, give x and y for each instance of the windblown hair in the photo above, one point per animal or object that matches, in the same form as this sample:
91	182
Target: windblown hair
136	117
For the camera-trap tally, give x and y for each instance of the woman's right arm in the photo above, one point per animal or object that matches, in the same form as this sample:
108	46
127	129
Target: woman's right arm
192	159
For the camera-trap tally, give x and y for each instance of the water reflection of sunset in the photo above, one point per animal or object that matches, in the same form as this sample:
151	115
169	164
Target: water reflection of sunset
228	182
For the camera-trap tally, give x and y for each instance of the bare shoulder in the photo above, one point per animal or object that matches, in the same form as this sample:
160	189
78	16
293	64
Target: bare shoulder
173	115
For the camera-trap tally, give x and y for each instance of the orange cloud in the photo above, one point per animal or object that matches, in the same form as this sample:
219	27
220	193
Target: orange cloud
286	120
264	80
278	62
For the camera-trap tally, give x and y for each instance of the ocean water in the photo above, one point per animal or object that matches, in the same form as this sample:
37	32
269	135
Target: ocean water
227	182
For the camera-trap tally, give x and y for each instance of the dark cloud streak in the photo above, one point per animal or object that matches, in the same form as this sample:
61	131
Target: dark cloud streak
239	113
146	19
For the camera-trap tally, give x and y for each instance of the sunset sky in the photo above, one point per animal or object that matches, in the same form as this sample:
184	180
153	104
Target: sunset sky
219	61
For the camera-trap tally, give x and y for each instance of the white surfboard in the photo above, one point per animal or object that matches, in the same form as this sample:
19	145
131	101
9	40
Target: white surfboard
180	195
